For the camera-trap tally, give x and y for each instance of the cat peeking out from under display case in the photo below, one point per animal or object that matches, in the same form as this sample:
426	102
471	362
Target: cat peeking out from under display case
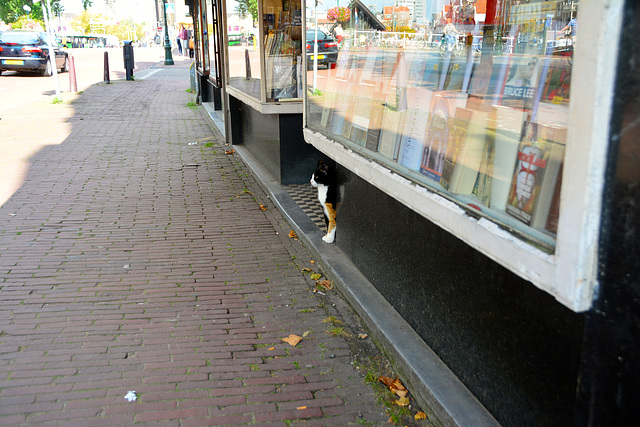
324	178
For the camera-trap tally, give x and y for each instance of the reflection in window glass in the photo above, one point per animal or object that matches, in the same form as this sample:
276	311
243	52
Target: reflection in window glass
469	98
243	51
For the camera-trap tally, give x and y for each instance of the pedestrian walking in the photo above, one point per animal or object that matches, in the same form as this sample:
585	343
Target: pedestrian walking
182	34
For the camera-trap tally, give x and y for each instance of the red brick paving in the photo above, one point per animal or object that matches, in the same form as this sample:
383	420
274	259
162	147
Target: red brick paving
131	260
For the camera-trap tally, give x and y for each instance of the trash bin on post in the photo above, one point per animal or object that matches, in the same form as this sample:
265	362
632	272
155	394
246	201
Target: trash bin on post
127	51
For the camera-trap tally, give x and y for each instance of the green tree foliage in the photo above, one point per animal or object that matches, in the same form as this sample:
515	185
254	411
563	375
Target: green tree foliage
81	23
248	7
123	31
12	10
86	4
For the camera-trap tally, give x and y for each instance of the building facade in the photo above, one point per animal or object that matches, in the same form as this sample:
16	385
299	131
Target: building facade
488	183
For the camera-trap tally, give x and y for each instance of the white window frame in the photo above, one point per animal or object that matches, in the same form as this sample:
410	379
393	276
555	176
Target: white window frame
570	274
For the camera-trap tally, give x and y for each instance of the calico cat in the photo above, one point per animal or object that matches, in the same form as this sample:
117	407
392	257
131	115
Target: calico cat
324	178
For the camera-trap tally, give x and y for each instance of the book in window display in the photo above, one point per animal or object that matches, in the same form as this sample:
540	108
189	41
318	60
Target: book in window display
505	128
342	105
392	117
484	183
437	138
414	130
461	121
470	154
519	89
365	100
533	185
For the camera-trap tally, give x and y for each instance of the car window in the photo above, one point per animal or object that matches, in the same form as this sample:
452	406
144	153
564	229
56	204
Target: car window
17	37
321	35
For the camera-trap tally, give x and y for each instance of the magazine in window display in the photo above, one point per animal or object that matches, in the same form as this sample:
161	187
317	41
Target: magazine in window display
484	183
342	98
335	80
378	102
536	174
505	128
414	130
330	96
472	147
461	121
557	82
418	67
364	103
546	209
390	134
439	127
350	100
554	207
519	89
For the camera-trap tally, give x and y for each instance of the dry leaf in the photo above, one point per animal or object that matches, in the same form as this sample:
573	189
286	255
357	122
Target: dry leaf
325	284
362	336
308	270
312	262
306	333
293	235
316	276
398	388
421	416
272	348
403	401
293	340
301	407
386	380
263	207
229	151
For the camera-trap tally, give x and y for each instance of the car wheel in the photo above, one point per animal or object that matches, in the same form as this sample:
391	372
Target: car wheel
0	72
47	68
65	67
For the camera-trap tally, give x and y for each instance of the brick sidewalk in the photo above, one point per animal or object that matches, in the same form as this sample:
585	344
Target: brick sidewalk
133	259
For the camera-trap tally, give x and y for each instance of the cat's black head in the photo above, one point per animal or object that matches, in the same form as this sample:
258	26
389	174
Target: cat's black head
323	174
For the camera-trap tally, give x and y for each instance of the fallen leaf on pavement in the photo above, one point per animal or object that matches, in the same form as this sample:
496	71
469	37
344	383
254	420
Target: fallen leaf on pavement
362	336
325	284
421	416
272	348
293	235
306	333
293	340
307	270
316	276
301	407
263	207
394	385
403	401
229	151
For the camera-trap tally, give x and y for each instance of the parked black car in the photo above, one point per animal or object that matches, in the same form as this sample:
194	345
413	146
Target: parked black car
327	49
28	51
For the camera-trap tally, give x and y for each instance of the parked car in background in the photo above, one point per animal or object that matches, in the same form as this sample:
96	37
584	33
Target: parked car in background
327	49
28	51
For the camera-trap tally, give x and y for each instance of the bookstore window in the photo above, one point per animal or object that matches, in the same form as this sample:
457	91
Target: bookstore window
471	102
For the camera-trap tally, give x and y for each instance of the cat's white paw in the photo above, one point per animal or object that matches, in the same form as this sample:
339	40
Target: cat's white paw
328	239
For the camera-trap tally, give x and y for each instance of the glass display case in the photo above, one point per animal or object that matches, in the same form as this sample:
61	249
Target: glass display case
278	43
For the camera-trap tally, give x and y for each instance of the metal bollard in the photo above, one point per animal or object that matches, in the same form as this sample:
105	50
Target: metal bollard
127	52
247	64
107	79
73	82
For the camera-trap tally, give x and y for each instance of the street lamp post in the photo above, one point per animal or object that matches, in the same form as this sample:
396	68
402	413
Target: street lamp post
168	58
